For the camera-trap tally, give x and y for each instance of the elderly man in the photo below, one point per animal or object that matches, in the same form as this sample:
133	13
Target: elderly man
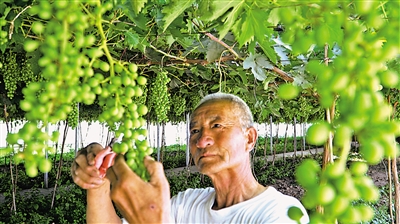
221	138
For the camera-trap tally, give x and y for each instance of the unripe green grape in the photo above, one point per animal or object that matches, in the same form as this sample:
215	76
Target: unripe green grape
45	165
138	91
142	110
133	68
25	105
325	194
141	80
364	7
44	14
288	91
366	212
358	168
116	80
126	80
346	186
372	152
318	133
38	27
104	66
342	135
129	91
338	206
351	215
334	170
309	199
131	163
369	193
118	67
295	213
389	78
306	173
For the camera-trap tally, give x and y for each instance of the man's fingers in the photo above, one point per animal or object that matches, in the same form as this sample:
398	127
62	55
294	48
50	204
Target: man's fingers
111	176
156	170
83	178
121	169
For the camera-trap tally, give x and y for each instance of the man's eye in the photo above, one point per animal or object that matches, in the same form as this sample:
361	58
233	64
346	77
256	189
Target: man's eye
194	131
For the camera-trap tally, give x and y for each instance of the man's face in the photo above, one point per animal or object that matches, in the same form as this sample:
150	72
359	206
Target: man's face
217	140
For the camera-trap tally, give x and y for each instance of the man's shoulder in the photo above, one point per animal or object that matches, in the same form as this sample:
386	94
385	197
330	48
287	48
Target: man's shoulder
193	196
197	191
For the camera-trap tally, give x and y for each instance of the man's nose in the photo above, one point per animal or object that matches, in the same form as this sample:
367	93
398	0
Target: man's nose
204	140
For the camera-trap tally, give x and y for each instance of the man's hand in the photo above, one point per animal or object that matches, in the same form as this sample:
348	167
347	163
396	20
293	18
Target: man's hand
84	171
137	200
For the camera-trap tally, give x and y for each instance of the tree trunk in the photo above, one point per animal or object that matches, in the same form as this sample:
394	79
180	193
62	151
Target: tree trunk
396	191
285	144
59	165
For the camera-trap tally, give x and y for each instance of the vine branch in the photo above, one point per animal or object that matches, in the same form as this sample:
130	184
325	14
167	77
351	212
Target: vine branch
10	33
281	73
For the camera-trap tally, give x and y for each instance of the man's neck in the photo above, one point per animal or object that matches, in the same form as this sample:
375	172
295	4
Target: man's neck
235	189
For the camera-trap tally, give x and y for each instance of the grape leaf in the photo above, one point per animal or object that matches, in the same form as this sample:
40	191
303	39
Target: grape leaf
252	23
173	10
230	21
131	39
257	63
205	7
138	5
214	51
220	7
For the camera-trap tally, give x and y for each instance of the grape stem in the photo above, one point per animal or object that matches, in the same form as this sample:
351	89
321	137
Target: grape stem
11	29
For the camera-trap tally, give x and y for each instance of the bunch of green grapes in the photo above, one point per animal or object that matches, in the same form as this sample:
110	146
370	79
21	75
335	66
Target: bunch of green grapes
178	104
3	32
123	115
159	97
335	188
78	68
73	116
15	73
194	100
355	78
63	66
10	71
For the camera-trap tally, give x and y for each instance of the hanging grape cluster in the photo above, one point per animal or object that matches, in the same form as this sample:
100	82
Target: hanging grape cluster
78	71
178	105
352	81
3	32
16	73
73	116
159	97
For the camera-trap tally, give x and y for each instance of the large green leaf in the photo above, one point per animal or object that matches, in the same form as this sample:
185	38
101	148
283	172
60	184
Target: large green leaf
136	5
220	7
174	9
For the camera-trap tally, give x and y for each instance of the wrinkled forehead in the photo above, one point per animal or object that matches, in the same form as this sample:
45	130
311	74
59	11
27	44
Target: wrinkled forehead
215	109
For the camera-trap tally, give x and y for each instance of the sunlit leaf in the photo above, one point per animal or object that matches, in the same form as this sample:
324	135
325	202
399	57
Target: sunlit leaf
175	9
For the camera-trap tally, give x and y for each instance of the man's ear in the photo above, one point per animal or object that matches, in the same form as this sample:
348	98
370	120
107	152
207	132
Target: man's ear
251	134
